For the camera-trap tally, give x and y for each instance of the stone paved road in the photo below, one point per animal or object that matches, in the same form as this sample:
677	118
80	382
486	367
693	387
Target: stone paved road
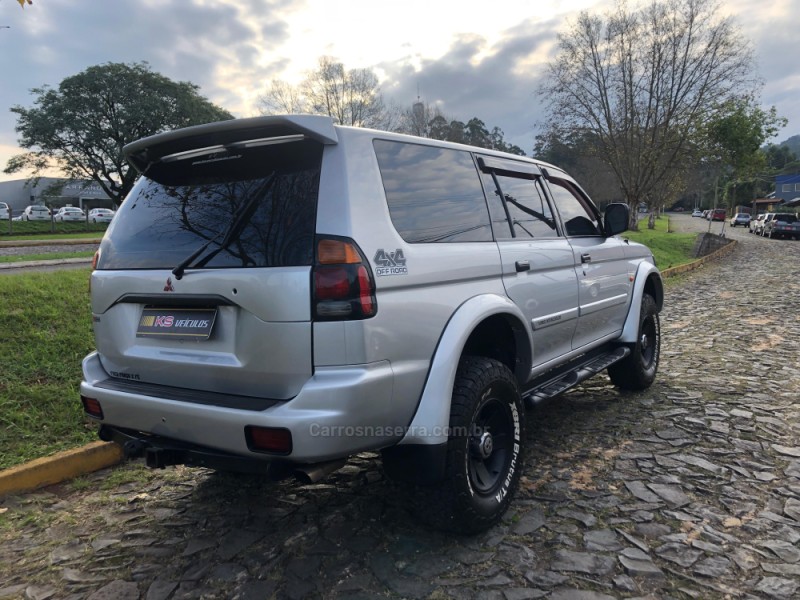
688	490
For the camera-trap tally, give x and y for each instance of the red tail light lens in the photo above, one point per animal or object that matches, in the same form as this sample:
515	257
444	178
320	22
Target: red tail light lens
276	440
344	288
92	407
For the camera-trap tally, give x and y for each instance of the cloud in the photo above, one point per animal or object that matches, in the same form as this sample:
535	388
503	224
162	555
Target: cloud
496	83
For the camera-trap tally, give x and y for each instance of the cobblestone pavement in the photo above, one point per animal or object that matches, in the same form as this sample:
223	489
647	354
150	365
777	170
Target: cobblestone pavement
688	490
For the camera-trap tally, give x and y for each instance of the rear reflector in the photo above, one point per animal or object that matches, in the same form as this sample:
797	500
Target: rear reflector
92	407
275	440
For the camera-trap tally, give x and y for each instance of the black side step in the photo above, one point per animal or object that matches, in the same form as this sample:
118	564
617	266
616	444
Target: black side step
560	380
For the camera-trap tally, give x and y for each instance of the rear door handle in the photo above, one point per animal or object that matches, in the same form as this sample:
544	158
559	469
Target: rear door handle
586	258
522	265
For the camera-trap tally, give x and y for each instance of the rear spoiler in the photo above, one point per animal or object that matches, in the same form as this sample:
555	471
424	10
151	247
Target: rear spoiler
234	133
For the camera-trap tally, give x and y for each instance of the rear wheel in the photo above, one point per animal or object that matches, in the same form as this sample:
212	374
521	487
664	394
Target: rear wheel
484	450
638	370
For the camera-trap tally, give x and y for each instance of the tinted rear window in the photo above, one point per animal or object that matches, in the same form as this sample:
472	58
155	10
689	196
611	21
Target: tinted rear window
179	206
434	194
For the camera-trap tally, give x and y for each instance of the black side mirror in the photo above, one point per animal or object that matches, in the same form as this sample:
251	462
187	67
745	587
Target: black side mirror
616	219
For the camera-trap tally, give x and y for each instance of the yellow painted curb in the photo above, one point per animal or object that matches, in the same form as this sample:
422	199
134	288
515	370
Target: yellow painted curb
696	264
59	467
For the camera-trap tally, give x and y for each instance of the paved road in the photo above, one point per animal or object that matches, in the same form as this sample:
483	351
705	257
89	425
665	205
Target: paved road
688	490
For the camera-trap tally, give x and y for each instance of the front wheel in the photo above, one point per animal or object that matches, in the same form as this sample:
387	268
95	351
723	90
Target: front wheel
638	370
484	450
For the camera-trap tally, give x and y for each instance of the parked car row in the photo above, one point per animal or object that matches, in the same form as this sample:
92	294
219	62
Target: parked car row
773	225
73	214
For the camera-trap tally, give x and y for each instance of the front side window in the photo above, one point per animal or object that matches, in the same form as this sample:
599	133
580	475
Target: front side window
434	194
254	208
576	213
529	212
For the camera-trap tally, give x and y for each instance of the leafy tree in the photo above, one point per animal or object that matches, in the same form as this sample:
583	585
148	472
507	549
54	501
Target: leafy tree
476	133
735	134
82	126
642	82
781	159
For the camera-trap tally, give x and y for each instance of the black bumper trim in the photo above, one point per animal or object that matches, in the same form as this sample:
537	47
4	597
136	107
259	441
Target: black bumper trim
185	395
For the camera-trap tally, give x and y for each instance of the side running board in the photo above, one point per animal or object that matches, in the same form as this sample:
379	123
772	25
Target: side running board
559	380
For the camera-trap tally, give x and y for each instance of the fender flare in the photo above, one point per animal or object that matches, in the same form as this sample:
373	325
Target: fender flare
647	274
432	418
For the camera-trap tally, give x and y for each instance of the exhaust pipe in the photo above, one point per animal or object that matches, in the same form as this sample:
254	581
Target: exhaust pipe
313	473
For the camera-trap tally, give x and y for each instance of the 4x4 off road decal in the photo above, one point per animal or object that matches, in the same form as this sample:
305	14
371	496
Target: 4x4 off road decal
390	263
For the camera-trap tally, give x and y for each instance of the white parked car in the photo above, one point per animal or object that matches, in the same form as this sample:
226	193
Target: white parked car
101	215
36	213
697	213
3	211
742	219
69	213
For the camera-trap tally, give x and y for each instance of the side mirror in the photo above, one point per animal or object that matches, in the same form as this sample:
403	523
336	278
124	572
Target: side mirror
616	219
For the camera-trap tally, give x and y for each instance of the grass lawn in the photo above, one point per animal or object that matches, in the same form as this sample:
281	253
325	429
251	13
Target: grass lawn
45	256
47	330
670	249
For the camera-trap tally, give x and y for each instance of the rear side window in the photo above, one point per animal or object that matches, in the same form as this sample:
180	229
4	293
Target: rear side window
434	194
257	206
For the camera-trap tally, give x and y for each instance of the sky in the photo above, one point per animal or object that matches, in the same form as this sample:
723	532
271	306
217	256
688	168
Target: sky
471	59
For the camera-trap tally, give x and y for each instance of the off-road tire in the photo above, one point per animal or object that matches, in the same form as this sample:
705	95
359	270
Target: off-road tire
638	370
479	481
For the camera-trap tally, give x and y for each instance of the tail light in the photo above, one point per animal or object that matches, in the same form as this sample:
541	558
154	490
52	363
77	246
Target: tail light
95	258
344	288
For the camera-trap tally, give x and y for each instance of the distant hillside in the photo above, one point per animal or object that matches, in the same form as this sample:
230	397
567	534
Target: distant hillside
793	143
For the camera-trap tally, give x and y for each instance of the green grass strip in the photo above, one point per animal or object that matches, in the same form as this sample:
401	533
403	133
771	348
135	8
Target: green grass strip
669	249
45	256
47	330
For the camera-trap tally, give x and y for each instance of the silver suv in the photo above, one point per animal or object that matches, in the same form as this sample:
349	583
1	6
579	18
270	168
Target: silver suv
279	293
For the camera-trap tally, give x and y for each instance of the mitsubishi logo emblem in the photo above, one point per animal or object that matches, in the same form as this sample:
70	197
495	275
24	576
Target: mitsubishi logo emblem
168	287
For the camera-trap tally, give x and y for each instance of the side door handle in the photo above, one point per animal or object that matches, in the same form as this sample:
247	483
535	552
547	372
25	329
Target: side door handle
586	258
522	265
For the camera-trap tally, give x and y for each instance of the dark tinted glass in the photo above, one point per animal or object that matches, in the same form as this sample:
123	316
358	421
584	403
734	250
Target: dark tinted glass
527	207
269	193
576	213
434	194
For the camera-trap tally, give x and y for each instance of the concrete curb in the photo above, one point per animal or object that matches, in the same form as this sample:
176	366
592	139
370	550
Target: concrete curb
59	467
696	264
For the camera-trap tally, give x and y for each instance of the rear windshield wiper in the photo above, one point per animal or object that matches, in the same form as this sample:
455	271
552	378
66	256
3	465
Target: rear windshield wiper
238	223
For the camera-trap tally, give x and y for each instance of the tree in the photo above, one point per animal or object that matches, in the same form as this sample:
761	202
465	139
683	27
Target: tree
735	134
82	126
351	96
643	82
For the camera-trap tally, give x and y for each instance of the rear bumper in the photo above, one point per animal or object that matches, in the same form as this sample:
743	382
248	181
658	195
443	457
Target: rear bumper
338	412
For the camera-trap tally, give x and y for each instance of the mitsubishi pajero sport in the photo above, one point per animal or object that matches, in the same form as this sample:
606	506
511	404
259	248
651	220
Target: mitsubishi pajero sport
278	293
